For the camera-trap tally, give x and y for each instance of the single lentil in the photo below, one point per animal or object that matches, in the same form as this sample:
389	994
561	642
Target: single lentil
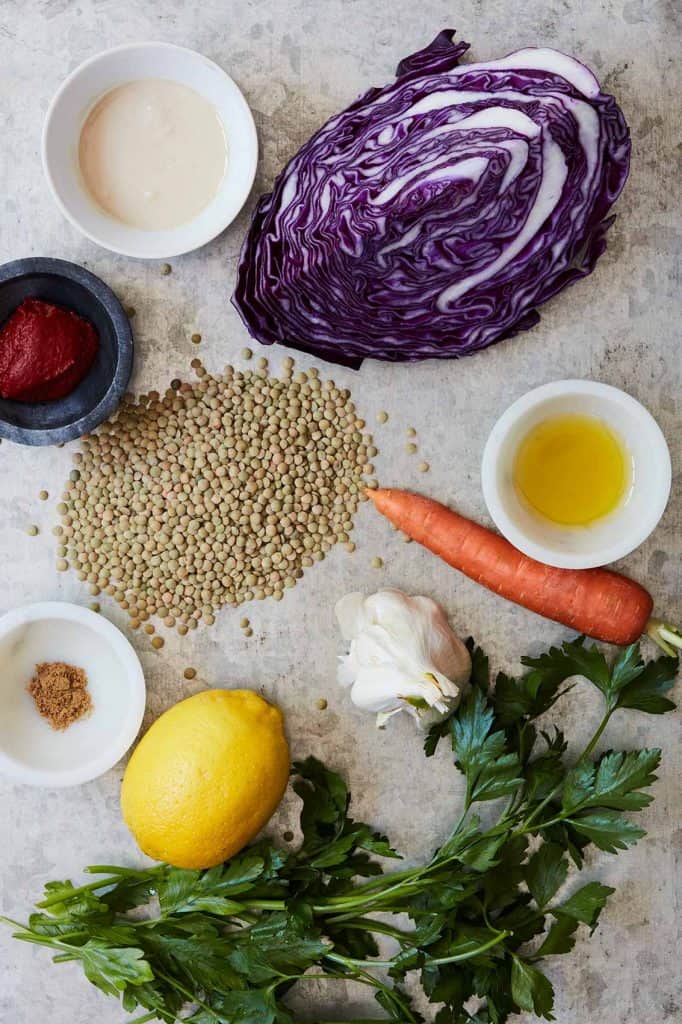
43	495
166	269
246	353
321	704
32	530
377	563
157	642
424	467
196	338
382	417
190	673
410	448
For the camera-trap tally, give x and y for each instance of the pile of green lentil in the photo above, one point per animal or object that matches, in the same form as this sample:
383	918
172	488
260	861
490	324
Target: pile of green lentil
218	492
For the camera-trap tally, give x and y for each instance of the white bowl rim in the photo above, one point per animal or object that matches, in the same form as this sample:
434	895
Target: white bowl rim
129	727
545	553
251	142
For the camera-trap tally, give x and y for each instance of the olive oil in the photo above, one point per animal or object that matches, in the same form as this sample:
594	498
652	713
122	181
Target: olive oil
572	470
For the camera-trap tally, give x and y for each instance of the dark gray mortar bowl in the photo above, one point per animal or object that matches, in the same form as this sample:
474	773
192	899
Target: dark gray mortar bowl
99	393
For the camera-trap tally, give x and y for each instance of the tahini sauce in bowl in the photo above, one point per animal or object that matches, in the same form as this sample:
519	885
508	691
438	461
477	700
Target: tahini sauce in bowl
152	153
149	134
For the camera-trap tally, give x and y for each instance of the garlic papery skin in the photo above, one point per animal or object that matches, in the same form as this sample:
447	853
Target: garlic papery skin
403	656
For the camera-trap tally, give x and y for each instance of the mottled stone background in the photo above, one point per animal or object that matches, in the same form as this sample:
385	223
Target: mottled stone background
298	61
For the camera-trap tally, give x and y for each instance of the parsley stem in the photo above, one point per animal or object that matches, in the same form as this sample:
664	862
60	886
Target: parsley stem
550	796
65	895
455	958
495	941
112	869
26	935
543	824
369	925
403	887
264	904
350	961
365	978
598	734
380	882
191	997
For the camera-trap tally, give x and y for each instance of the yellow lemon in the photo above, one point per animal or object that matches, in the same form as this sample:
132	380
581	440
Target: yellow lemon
206	777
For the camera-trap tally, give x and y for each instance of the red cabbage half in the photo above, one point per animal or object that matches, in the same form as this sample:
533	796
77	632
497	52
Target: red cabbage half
433	216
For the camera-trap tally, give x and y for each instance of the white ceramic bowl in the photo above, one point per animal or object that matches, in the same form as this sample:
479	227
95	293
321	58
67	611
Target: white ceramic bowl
615	535
71	106
31	751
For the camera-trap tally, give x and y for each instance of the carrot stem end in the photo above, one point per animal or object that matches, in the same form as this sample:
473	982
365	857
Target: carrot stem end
667	636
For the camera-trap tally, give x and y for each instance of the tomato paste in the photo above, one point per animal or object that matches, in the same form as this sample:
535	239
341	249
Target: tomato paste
45	352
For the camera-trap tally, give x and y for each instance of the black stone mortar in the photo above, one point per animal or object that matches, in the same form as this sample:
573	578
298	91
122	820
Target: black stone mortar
99	393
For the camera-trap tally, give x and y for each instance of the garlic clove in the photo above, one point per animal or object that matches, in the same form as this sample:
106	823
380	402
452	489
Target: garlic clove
349	611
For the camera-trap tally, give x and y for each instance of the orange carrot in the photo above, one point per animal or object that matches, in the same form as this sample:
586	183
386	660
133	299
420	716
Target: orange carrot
598	602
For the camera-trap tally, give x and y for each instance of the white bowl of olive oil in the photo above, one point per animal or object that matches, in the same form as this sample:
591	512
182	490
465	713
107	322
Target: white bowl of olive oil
576	474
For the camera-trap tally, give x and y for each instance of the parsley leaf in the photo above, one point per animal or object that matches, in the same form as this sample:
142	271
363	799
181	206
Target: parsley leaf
560	938
280	945
183	891
325	803
608	830
574	659
255	1006
531	989
586	904
112	969
613	782
545	772
490	771
645	692
546	872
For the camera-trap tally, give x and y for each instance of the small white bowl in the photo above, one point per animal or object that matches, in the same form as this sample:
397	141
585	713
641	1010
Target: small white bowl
610	538
70	108
31	751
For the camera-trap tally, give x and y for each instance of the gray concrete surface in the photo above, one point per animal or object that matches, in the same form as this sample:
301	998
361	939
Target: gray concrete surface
297	62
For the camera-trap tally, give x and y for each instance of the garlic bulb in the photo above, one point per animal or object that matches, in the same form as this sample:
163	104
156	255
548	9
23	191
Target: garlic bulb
403	656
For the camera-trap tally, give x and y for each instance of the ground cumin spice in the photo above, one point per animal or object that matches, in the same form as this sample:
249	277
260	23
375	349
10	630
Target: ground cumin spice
60	692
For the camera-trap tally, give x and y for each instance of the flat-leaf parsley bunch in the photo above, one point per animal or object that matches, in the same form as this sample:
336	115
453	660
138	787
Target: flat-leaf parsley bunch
225	946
